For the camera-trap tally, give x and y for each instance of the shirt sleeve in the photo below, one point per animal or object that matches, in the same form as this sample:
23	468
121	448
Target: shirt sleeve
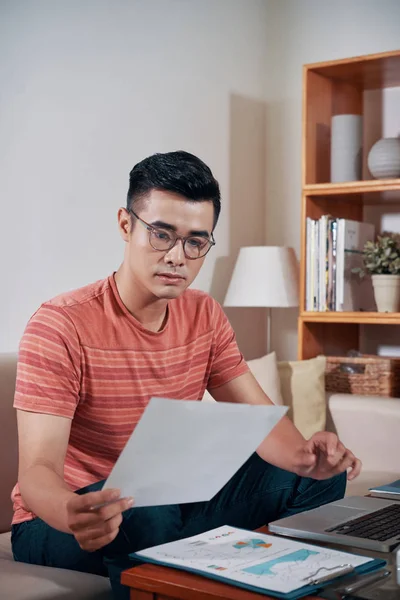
228	362
49	366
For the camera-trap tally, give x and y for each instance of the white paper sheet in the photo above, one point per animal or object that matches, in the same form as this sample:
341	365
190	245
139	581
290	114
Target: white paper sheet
186	451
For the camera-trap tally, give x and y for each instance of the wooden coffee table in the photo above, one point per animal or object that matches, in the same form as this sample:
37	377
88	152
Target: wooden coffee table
153	582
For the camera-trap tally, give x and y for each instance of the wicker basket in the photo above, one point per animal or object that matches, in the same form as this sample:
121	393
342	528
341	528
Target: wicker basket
378	376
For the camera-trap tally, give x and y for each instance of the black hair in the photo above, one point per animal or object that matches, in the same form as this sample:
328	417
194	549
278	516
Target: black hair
179	172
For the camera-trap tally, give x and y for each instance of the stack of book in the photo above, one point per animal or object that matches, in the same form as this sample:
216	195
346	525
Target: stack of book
391	491
334	249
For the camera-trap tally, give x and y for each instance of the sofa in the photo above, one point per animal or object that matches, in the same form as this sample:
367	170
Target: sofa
369	426
20	581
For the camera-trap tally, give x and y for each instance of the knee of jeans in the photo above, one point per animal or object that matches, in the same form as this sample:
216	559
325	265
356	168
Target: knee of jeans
154	525
145	527
325	490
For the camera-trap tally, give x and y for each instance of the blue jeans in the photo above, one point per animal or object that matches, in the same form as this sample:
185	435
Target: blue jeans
257	494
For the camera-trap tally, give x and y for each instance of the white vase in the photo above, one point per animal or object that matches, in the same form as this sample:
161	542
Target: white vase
384	158
387	292
346	148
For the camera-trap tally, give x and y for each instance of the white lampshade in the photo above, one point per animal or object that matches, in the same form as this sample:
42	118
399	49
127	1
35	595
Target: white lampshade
264	276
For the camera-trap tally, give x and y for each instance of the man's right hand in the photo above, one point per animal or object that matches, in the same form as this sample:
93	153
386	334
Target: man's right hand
94	518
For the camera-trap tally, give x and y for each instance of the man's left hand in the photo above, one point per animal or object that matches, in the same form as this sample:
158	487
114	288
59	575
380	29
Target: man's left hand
324	456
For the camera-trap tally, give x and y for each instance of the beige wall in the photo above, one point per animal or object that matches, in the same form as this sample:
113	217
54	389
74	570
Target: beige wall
300	32
88	88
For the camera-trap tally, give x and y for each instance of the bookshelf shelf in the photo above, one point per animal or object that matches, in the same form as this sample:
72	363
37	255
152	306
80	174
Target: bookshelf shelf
372	318
329	89
352	187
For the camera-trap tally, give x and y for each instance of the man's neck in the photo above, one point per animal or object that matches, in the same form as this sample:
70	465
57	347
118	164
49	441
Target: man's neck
151	313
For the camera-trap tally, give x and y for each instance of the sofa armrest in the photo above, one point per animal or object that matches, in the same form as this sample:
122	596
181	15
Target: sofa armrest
370	427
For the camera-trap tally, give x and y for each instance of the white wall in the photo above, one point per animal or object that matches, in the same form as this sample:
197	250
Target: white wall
88	88
300	32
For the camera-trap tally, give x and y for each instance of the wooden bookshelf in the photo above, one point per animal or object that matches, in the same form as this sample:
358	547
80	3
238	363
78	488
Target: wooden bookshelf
332	88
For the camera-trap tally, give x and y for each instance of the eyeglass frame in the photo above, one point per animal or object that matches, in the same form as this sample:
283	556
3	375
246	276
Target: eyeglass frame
182	238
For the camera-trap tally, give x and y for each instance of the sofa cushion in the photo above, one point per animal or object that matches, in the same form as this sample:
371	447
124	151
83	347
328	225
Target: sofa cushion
303	391
5	546
265	370
20	581
369	426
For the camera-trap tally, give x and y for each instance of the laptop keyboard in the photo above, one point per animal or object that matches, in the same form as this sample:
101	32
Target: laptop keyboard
381	525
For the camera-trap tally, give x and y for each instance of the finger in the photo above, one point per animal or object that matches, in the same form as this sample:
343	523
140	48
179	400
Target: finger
88	501
95	516
323	444
355	469
335	459
347	463
104	528
97	543
328	443
309	446
110	510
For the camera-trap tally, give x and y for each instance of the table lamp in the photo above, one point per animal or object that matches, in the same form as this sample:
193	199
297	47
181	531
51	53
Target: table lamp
264	276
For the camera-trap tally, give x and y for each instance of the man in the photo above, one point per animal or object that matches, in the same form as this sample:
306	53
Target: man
89	362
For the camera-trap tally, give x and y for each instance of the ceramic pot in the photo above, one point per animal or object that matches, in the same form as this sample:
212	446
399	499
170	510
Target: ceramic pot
384	158
387	292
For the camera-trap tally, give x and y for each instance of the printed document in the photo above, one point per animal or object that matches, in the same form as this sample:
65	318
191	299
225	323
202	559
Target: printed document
256	560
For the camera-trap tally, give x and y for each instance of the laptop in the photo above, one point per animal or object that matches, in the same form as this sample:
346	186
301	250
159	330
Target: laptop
360	521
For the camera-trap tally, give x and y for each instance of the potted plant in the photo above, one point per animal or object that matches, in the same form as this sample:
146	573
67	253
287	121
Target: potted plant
382	261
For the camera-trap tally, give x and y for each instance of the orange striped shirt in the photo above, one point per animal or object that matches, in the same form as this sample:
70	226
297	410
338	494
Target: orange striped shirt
85	357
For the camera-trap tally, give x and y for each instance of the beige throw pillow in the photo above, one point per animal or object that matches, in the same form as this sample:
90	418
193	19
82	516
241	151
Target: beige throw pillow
303	391
265	370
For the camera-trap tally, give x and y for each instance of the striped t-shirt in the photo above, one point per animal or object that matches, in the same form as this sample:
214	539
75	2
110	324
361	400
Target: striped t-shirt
85	357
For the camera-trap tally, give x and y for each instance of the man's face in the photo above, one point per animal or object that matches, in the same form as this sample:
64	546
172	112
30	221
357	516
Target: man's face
164	274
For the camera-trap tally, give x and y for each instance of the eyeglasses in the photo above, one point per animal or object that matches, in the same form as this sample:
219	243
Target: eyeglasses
194	246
